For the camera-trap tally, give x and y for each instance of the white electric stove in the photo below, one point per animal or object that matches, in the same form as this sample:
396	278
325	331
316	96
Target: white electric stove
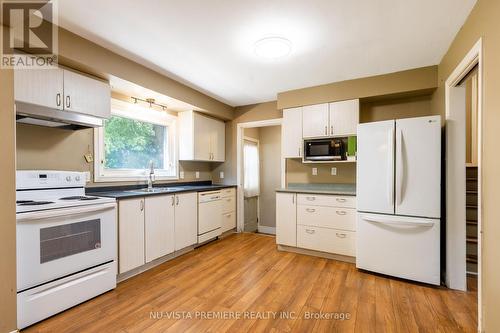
66	243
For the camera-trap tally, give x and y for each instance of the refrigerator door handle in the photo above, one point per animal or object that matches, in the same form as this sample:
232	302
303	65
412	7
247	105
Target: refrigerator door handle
390	167
399	167
379	220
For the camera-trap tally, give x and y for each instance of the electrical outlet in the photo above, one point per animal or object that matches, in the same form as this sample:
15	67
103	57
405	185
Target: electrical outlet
314	171
221	175
89	158
181	174
334	171
197	174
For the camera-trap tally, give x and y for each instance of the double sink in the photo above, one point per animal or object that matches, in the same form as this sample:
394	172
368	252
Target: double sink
165	189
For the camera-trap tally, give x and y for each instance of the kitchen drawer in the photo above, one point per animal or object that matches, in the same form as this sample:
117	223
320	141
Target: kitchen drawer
326	200
228	221
228	192
326	240
228	204
327	217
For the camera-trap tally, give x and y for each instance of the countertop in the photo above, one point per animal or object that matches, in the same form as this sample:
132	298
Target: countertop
336	189
123	192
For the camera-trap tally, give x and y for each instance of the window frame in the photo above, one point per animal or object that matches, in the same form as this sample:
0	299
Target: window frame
134	111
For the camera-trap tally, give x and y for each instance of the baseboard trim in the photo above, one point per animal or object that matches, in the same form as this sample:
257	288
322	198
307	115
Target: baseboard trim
266	230
326	255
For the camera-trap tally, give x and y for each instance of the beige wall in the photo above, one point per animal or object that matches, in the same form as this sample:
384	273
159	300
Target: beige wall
270	173
420	79
399	108
46	148
298	172
7	204
252	132
483	22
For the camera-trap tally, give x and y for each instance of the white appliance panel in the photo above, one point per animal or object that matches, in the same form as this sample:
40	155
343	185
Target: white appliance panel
209	212
399	246
375	167
418	167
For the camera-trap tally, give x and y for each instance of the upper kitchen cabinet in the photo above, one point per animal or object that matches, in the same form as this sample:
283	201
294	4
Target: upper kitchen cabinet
344	117
201	138
85	95
62	89
43	87
292	133
316	123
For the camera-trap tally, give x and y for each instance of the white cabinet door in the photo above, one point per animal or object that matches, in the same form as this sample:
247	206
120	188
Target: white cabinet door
292	133
202	137
86	95
131	234
315	120
218	141
418	167
375	167
344	117
186	220
159	226
228	221
44	87
286	219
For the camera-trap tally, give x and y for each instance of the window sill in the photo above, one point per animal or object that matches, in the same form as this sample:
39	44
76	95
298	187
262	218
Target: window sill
107	179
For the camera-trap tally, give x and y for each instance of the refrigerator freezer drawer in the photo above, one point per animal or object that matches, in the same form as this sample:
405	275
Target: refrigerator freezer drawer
327	217
326	240
399	246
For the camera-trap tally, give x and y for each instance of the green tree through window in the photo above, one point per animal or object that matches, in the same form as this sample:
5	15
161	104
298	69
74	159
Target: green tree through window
131	144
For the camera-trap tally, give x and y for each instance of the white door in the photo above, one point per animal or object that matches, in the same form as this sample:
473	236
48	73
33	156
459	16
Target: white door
159	226
315	120
40	87
404	247
418	166
375	167
286	219
202	137
131	234
292	133
186	220
218	141
344	117
86	95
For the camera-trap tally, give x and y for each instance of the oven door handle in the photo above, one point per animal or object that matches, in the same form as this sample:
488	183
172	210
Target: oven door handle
25	217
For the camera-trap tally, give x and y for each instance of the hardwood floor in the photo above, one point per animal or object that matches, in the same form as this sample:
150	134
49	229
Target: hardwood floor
245	275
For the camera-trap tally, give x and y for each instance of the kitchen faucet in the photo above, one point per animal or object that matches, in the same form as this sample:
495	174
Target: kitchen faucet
151	177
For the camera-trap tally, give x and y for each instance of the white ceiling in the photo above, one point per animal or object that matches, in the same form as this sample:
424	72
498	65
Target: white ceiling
209	44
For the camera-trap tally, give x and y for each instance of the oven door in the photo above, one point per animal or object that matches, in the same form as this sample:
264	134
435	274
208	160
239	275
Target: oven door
55	243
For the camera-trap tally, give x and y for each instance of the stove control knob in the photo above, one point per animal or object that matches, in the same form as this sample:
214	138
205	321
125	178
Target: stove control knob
77	178
68	178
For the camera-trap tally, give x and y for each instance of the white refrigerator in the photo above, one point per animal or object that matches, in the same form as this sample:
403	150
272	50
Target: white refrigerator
399	198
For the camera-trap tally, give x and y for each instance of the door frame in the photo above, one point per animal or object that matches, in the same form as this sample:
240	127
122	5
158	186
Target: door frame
456	276
239	163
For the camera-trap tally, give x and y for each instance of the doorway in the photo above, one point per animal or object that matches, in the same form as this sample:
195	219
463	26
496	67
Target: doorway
463	98
259	166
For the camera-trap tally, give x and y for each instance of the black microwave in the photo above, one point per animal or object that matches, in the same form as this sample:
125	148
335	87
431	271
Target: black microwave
323	150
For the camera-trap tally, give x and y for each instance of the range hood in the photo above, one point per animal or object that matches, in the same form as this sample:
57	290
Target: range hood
43	116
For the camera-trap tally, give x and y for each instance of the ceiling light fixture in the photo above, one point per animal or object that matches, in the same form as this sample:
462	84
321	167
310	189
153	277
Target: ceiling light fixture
150	101
273	47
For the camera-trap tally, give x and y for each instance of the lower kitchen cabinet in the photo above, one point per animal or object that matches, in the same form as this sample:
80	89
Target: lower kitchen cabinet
159	226
130	234
286	219
326	240
228	197
186	220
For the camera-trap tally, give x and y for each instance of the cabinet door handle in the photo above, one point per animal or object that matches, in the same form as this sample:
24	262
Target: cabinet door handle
311	198
58	99
310	231
341	200
293	199
331	130
177	201
173	200
341	212
68	101
339	235
228	199
310	210
142	205
326	130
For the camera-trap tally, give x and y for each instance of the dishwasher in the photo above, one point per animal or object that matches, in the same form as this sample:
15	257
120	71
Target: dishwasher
209	215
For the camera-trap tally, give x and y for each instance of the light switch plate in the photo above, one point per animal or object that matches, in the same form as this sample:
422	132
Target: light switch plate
334	171
181	174
314	171
221	175
197	174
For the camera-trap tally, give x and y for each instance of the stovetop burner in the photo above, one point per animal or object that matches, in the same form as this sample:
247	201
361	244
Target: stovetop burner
33	203
79	197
